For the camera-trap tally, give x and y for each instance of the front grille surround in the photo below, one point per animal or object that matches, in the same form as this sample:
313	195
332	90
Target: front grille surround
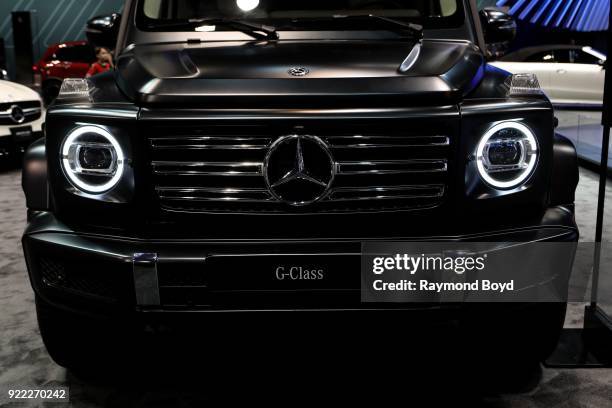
219	168
32	111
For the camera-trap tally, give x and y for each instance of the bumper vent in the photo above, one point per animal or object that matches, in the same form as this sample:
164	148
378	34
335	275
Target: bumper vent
83	279
220	168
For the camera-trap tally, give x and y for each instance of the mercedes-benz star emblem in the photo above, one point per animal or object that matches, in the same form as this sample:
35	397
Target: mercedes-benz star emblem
298	71
299	169
17	114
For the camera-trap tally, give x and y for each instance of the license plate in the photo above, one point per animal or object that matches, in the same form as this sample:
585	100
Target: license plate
22	133
283	272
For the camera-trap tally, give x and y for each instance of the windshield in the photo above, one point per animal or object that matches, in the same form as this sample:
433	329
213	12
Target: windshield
155	15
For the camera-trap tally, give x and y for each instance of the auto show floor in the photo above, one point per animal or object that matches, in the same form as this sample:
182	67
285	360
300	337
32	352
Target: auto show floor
24	363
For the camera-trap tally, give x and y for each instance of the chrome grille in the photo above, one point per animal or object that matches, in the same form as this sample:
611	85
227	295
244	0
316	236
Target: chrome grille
32	110
220	168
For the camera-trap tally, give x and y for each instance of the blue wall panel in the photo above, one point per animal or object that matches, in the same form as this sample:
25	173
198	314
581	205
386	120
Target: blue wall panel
574	15
53	21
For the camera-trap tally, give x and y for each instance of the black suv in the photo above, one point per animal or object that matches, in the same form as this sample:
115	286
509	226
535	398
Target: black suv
242	151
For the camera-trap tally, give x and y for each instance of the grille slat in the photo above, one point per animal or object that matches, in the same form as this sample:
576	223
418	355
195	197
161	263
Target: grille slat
208	168
214	194
202	170
387	193
376	142
214	147
392	167
216	142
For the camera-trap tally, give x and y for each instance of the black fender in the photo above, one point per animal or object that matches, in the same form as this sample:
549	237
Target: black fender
49	88
52	80
34	177
564	172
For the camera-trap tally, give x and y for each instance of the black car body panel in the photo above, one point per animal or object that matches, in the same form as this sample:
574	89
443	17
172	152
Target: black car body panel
94	270
143	205
194	223
444	72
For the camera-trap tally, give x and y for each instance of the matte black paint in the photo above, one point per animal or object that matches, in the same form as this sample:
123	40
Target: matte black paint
498	26
35	182
257	73
565	171
47	237
163	85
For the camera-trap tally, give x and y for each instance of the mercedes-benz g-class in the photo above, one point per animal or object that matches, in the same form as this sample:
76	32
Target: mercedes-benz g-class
242	151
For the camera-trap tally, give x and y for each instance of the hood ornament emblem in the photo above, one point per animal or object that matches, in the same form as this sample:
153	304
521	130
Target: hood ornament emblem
298	71
299	169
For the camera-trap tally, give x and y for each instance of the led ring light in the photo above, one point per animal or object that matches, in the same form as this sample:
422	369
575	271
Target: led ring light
529	159
73	175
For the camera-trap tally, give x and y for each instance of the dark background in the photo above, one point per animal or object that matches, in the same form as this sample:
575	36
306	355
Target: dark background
52	21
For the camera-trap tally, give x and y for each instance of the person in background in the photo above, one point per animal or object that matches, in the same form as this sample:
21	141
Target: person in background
104	63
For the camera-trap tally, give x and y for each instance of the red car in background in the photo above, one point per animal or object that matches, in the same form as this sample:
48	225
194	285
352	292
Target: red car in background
66	60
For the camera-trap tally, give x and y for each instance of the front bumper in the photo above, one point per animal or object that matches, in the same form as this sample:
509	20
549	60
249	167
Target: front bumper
16	139
82	271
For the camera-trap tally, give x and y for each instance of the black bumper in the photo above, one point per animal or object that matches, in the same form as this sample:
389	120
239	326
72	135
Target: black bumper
11	146
81	271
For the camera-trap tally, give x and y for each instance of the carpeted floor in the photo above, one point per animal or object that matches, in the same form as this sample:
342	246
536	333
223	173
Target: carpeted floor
24	362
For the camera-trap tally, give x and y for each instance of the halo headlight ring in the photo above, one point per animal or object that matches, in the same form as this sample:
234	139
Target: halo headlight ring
74	177
529	159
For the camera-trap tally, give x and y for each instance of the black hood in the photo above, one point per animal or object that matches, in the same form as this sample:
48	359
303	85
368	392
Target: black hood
239	73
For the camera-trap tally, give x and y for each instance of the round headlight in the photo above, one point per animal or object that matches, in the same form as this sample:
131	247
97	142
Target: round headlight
507	155
92	159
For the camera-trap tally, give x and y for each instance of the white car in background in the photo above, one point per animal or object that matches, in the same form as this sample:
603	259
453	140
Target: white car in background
571	75
21	118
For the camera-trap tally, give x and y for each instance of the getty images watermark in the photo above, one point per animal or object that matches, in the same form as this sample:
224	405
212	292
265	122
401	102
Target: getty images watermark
425	263
465	272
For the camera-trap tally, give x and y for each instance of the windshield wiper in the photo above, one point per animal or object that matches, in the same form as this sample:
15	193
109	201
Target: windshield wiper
400	27
257	31
415	29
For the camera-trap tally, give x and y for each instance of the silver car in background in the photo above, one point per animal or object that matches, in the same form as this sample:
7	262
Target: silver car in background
571	75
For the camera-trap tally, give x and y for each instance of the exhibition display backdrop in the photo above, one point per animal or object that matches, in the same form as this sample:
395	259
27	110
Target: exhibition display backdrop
51	22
